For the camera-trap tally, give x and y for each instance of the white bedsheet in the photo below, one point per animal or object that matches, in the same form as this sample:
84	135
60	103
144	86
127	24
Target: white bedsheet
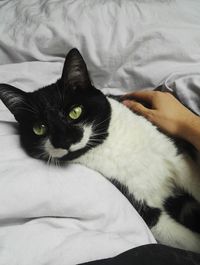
71	215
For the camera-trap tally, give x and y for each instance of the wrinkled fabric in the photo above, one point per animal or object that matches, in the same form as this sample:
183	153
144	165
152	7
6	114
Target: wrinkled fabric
185	86
72	215
129	44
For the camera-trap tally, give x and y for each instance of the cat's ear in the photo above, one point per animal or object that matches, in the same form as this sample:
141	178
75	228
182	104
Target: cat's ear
13	98
75	74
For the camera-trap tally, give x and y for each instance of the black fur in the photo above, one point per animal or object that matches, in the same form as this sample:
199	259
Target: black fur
184	209
186	147
149	214
50	106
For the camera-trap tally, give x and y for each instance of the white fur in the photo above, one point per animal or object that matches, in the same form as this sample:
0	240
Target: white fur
169	232
87	133
139	156
54	152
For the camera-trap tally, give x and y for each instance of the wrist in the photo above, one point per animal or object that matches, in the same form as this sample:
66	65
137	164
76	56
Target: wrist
190	130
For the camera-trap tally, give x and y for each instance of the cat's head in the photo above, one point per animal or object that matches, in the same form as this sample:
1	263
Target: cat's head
63	120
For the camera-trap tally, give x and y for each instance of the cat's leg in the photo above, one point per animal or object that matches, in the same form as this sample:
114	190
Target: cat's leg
184	208
188	176
168	231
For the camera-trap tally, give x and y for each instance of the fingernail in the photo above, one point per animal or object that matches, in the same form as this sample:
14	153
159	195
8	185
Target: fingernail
127	103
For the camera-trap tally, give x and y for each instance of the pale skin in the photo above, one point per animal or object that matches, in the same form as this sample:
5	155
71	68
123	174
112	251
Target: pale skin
167	113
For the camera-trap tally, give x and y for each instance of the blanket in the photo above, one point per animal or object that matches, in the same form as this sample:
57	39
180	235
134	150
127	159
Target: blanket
53	215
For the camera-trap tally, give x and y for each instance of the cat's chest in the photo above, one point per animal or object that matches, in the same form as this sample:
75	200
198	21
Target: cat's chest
133	154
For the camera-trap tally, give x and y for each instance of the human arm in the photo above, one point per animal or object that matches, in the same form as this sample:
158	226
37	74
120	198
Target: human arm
167	113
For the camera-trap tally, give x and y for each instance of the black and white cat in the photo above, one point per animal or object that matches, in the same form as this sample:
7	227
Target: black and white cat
72	120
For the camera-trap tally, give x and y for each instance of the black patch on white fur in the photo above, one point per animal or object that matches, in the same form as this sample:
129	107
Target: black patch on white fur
186	147
184	209
115	97
149	214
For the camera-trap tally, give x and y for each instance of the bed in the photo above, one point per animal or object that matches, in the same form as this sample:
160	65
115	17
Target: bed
53	215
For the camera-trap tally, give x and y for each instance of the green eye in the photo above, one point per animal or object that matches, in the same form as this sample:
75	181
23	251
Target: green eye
75	113
39	129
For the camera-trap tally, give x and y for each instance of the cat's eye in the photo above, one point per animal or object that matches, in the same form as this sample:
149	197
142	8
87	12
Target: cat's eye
75	112
39	129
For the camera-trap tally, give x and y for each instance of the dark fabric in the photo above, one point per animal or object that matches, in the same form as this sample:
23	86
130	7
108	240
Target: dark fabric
153	254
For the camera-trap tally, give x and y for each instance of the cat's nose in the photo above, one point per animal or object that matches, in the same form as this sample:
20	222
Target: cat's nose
58	143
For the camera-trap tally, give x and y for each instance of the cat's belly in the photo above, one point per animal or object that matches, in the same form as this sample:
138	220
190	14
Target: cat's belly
146	182
141	158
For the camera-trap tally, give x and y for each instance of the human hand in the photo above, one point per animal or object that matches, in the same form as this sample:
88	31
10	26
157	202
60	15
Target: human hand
165	111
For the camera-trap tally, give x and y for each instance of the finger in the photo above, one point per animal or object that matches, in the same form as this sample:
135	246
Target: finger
136	106
143	95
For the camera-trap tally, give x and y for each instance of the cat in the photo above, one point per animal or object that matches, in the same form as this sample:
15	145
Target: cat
71	120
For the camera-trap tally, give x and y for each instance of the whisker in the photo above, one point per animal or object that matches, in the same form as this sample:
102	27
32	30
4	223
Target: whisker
90	145
42	155
96	125
99	134
49	160
57	163
95	142
94	138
